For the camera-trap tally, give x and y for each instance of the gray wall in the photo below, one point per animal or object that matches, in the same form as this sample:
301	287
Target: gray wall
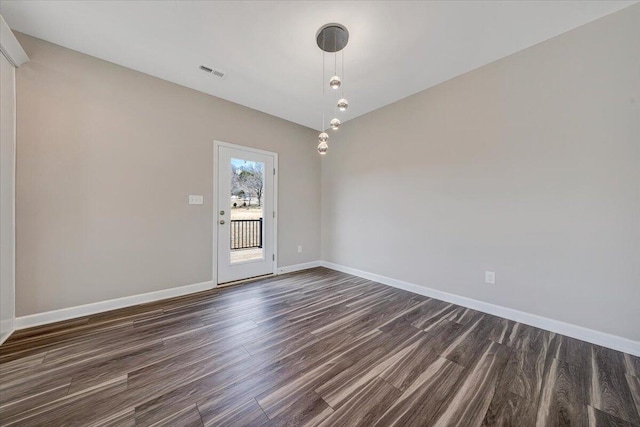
529	167
106	159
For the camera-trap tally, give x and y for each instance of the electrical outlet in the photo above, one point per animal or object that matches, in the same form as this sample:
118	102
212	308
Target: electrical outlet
195	199
299	249
490	277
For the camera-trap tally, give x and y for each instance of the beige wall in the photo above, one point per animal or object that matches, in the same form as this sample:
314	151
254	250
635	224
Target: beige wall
106	159
529	167
7	196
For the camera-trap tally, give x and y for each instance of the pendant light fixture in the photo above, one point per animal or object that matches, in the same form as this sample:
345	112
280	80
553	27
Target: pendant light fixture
332	38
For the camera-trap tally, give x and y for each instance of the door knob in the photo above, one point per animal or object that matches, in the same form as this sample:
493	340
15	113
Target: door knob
222	221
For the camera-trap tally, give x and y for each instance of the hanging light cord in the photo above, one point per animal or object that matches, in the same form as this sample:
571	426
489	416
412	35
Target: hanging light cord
342	85
323	91
335	93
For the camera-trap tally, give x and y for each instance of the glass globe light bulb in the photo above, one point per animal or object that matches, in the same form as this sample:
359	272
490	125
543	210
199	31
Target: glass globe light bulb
335	124
343	104
323	138
335	82
322	148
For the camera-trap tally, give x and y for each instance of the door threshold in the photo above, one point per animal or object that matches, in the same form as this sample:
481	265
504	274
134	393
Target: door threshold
241	281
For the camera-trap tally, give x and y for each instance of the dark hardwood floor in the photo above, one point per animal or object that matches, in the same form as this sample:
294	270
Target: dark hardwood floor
311	348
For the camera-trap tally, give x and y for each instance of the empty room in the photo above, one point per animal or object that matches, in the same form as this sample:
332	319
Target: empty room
319	213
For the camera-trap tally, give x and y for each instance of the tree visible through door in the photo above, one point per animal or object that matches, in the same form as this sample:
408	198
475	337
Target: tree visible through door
247	213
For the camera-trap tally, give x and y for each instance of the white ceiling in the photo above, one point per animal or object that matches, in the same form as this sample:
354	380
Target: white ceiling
268	48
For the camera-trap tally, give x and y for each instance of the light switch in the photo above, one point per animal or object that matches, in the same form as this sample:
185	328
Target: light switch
195	199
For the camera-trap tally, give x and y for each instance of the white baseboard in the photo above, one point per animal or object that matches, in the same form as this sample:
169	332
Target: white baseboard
98	307
298	267
4	338
595	337
604	339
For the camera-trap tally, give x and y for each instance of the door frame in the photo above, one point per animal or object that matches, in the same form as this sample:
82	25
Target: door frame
214	199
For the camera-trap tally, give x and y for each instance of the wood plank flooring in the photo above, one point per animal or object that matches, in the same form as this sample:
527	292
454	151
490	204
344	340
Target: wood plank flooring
316	347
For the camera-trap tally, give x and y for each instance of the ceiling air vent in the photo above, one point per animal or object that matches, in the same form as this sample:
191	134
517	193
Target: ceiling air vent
213	71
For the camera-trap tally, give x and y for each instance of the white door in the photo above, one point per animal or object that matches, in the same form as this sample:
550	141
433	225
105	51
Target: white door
246	212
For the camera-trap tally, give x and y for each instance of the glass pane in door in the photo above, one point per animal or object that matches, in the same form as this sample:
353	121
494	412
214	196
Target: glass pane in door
247	191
